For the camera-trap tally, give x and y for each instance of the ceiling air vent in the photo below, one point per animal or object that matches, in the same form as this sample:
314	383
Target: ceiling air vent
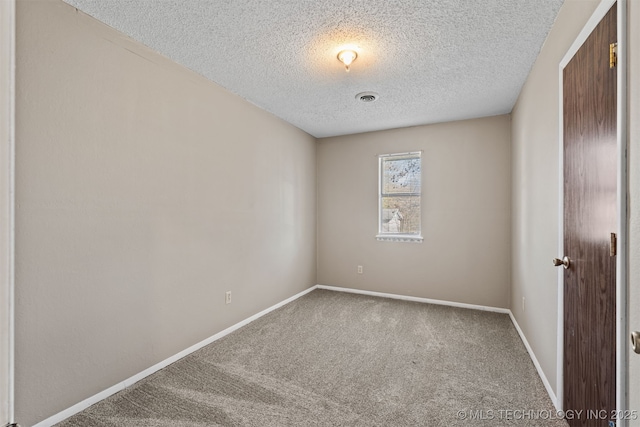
367	96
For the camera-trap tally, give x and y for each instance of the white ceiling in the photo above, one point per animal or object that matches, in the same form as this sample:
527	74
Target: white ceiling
430	61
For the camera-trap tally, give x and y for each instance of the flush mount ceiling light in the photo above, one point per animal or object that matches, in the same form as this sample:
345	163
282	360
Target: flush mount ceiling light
347	57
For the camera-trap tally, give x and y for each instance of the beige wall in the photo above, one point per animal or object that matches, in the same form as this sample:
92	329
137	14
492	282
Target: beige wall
465	256
144	192
535	189
634	199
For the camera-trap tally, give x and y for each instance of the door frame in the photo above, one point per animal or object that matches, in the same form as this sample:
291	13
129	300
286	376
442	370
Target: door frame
7	211
621	202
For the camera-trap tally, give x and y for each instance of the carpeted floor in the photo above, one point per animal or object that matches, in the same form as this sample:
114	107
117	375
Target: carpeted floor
338	359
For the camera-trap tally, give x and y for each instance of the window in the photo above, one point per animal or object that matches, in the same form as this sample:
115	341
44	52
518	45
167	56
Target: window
400	183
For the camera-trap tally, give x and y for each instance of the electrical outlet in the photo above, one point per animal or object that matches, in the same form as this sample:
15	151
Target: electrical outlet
359	269
522	303
227	297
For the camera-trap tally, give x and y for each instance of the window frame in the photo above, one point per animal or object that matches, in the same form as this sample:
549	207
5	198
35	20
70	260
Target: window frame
397	237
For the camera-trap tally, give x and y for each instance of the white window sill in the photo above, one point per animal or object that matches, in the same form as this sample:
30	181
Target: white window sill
411	238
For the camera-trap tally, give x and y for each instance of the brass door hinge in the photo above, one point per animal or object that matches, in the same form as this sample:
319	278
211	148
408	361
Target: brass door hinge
613	246
613	55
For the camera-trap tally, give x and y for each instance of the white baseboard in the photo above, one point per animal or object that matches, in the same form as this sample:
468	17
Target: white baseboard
60	416
416	299
543	377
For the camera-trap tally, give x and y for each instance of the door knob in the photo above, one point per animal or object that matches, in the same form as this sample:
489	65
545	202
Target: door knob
565	262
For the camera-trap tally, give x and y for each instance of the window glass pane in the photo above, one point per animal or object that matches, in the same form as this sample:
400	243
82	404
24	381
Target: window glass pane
401	175
400	214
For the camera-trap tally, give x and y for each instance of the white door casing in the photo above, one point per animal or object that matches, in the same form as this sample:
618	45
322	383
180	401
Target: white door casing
622	334
7	153
633	25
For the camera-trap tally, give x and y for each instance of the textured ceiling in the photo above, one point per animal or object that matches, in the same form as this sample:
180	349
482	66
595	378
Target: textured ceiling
429	61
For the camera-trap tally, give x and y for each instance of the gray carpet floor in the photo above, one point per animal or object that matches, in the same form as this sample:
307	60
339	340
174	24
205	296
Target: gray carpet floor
338	359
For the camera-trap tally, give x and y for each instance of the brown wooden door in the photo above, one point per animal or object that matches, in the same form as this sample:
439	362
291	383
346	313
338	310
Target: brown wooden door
590	176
